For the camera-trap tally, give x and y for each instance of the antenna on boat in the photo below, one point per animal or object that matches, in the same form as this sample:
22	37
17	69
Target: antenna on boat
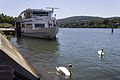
52	8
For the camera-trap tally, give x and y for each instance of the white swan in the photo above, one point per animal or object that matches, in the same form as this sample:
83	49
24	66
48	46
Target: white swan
101	53
64	71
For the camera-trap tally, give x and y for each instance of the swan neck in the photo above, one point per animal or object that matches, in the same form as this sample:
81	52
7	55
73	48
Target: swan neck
69	68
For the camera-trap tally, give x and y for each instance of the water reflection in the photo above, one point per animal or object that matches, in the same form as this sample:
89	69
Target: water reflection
44	46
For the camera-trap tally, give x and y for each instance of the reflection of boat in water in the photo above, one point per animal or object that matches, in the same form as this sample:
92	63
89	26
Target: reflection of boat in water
41	53
37	23
10	58
37	45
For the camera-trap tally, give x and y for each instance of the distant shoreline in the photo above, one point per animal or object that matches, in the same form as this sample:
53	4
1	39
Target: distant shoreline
94	28
89	22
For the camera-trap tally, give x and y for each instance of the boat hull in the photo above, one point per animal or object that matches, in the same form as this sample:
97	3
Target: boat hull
46	33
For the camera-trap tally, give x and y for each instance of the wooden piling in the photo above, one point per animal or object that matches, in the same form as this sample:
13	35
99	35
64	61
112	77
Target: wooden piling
18	29
112	30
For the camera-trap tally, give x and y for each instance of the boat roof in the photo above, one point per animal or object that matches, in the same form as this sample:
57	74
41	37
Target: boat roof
38	10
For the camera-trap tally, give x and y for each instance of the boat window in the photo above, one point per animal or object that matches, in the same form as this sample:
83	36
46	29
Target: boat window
28	24
28	15
21	16
36	13
39	25
23	25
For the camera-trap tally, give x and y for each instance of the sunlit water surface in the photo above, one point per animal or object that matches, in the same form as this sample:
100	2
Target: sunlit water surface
77	47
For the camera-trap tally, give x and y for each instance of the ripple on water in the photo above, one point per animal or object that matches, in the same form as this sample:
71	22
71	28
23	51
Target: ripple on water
78	47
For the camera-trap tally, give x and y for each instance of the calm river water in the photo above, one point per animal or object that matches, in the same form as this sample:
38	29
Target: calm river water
78	47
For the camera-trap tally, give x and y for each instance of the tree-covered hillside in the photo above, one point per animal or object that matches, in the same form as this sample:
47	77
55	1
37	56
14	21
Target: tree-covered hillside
6	21
88	22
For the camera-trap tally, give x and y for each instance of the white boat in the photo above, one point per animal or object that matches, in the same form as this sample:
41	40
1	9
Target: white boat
38	23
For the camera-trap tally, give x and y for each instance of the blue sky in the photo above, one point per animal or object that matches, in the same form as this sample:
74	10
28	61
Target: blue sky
67	8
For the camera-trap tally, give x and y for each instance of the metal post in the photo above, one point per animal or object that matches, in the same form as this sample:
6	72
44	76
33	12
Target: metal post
112	29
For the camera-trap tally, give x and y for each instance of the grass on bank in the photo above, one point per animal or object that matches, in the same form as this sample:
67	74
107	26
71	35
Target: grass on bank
5	25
